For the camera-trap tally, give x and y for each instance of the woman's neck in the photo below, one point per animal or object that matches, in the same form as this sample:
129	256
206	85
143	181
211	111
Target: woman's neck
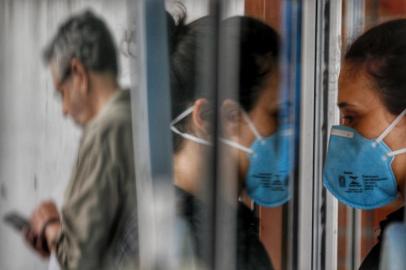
402	190
189	164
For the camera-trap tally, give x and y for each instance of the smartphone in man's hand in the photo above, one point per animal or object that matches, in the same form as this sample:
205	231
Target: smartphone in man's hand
17	221
22	225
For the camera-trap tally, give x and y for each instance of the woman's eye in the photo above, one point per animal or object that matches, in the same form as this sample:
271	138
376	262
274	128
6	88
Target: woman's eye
347	119
275	115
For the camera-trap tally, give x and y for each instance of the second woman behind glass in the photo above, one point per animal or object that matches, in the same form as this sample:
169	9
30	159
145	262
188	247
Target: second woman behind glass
365	163
257	106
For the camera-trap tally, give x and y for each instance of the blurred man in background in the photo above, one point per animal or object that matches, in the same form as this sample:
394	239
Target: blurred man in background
96	228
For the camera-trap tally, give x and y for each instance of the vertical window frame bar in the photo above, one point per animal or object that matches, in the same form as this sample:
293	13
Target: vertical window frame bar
153	153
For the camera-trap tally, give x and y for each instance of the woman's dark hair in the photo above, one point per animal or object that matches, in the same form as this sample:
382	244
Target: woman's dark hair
258	46
258	54
382	51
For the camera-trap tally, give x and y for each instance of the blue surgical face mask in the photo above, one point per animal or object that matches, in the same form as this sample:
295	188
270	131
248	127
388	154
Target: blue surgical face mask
270	167
358	171
270	163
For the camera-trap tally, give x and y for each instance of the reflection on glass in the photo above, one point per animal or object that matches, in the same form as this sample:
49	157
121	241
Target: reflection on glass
274	221
251	132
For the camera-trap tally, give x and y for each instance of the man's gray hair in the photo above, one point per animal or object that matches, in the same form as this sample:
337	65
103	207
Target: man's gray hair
85	37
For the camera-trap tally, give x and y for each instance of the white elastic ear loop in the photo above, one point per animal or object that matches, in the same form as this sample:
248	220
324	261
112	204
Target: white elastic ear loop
186	135
182	115
190	137
237	145
397	152
251	126
391	126
203	141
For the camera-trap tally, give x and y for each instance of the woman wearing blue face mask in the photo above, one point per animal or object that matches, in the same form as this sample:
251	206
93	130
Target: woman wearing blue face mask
247	120
365	166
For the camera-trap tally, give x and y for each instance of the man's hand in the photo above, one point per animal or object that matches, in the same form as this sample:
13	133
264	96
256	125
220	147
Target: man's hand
45	228
45	212
37	244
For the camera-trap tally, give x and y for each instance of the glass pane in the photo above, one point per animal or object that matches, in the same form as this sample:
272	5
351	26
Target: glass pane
254	121
276	221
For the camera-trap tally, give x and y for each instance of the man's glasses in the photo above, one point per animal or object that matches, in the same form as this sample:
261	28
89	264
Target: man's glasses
59	92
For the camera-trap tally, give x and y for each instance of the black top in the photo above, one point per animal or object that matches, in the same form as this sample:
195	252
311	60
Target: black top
371	261
251	254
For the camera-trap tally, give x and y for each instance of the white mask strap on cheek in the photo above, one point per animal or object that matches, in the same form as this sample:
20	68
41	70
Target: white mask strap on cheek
186	135
203	141
251	126
237	145
391	126
397	152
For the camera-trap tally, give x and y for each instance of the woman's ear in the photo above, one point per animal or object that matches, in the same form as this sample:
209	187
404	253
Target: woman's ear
81	76
200	123
231	117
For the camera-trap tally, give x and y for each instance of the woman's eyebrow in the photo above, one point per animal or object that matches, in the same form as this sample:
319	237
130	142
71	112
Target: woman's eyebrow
344	104
281	104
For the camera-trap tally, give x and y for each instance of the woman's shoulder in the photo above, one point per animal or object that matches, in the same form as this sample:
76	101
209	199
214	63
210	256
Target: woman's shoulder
373	258
395	216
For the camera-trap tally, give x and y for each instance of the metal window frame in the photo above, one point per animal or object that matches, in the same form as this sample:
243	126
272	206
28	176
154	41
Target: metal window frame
330	67
318	210
306	178
151	111
330	31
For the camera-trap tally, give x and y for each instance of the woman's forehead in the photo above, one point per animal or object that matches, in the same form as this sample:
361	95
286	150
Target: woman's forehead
356	88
